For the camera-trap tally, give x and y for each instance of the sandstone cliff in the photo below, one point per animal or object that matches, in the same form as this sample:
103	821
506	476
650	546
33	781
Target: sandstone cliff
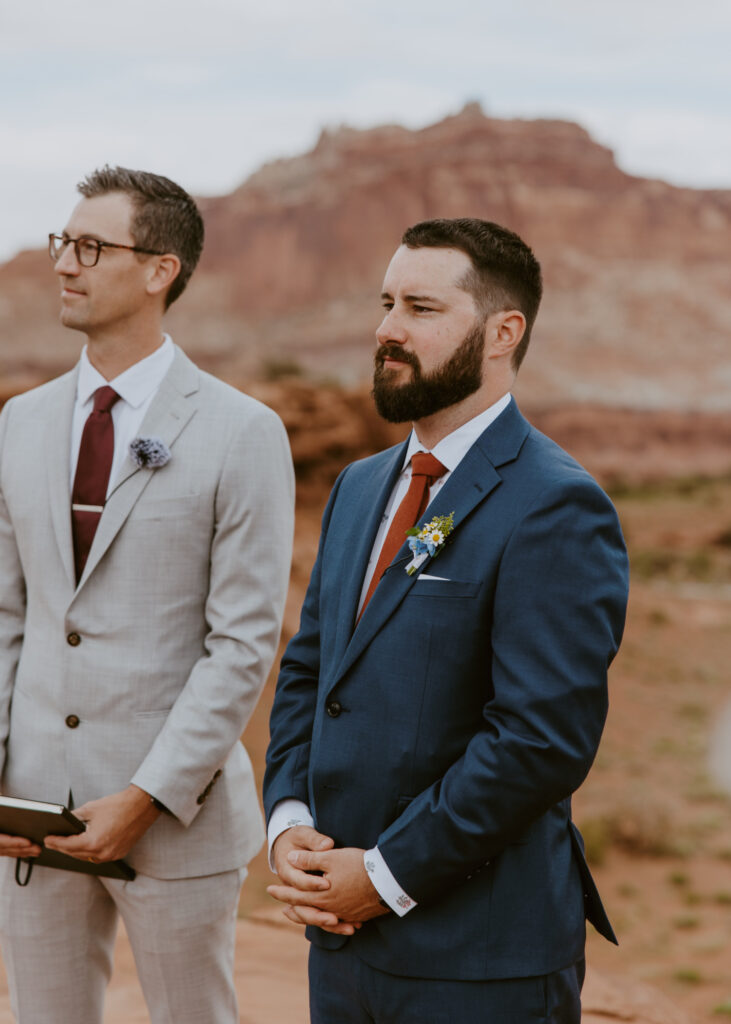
637	311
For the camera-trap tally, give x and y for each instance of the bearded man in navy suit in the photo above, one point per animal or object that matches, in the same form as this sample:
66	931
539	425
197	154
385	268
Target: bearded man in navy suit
439	705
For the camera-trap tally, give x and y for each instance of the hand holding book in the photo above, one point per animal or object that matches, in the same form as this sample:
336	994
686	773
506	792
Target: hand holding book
43	827
18	846
113	825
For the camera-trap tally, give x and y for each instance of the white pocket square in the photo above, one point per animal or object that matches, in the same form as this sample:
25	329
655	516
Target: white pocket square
426	576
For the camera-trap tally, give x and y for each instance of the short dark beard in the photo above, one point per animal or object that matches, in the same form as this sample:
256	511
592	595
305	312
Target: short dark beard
423	395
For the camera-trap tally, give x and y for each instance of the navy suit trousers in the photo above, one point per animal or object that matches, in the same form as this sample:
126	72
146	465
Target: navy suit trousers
346	990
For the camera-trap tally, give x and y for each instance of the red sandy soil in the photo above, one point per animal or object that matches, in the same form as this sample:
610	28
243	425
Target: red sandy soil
271	983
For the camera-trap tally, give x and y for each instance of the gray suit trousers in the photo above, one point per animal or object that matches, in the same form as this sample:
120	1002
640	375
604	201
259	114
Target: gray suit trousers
57	936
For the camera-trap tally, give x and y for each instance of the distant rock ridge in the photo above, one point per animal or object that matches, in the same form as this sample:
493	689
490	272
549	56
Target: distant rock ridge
637	309
538	147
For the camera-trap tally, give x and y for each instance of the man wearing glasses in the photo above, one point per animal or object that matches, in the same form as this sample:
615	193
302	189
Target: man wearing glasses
145	536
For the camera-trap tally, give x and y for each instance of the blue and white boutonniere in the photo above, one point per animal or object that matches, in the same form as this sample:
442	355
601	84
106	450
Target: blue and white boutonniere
428	541
149	452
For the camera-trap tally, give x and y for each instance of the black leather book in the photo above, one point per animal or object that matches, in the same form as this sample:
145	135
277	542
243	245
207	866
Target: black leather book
35	819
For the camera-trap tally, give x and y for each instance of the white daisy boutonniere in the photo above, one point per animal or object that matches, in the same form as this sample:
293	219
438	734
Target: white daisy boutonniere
428	540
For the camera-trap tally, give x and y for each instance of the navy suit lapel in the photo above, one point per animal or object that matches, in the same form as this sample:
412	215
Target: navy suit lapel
471	482
360	538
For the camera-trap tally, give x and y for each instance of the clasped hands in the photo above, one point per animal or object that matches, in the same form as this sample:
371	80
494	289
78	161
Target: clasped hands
339	899
113	825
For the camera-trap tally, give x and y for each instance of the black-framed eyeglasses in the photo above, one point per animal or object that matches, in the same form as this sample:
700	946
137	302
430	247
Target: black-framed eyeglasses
88	249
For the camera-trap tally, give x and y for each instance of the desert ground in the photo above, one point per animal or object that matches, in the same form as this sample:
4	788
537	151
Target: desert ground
272	989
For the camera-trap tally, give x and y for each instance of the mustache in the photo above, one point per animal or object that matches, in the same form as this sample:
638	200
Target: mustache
394	351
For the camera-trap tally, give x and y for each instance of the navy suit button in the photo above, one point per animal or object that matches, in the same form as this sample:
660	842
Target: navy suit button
72	721
73	639
333	708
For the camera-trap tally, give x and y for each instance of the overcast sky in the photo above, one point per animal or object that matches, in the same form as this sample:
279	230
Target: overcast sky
206	91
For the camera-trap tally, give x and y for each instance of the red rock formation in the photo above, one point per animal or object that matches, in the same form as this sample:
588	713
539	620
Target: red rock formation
637	309
329	427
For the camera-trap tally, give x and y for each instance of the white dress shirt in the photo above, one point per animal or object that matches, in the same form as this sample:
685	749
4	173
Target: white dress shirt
450	451
136	388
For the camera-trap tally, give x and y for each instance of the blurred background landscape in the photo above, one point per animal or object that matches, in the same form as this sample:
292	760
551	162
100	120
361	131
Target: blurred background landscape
629	367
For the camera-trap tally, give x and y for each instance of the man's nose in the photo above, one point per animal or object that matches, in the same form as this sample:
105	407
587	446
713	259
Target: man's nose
67	263
391	329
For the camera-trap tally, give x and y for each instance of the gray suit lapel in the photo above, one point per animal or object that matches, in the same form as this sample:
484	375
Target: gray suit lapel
58	460
171	409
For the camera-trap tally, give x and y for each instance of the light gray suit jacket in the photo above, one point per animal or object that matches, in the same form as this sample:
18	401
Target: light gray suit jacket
178	615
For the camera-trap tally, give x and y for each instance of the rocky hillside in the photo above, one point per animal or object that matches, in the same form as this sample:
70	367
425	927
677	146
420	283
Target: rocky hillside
637	310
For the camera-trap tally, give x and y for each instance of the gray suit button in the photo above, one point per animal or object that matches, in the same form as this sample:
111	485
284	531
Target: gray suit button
333	708
72	721
73	639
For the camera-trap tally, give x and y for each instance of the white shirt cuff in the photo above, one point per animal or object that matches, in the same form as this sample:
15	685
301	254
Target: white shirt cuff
287	814
385	884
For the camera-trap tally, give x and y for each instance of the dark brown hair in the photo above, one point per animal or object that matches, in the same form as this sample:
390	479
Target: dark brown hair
504	274
166	218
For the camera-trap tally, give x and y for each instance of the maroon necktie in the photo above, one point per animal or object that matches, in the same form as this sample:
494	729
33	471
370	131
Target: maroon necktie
425	469
92	474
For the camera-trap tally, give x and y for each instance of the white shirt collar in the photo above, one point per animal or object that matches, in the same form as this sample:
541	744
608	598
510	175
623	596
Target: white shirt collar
137	382
452	449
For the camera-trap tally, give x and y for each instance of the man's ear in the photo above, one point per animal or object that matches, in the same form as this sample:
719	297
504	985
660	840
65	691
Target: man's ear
504	333
163	272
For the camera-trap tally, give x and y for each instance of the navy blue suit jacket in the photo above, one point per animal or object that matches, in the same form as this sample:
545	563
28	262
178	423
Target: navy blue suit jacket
470	708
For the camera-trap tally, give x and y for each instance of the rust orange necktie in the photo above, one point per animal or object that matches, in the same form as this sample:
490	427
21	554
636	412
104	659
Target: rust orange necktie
425	469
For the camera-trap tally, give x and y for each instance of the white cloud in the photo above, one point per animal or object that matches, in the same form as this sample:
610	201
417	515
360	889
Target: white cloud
683	146
206	94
